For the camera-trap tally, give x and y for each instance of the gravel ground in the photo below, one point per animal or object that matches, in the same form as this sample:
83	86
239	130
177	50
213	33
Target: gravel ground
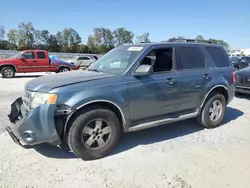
180	155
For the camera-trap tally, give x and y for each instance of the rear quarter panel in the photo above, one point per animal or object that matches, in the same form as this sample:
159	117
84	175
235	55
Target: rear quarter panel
221	76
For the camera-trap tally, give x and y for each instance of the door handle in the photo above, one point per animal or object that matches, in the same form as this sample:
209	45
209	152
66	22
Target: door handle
170	81
34	61
206	76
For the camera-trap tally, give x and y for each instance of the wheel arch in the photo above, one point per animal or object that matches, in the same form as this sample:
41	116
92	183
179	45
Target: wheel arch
222	89
61	66
8	65
100	103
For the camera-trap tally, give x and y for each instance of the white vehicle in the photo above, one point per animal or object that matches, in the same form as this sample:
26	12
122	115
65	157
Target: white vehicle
84	60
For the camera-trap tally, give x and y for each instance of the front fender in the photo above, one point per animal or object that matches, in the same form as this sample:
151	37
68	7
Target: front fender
96	95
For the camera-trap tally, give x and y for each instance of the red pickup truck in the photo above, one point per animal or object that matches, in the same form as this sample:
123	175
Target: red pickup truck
33	61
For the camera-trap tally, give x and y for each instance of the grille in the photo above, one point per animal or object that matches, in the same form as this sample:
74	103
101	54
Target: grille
244	80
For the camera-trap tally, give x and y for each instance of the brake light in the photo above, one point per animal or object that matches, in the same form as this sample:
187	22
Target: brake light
233	77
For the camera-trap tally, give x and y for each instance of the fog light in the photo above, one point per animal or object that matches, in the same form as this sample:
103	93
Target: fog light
28	136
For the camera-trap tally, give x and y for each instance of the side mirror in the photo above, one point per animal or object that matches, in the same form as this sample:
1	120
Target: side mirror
144	70
22	58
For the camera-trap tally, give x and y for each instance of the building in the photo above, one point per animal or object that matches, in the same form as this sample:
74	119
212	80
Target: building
245	51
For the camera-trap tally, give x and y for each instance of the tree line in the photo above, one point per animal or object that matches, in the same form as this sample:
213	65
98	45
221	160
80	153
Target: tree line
25	36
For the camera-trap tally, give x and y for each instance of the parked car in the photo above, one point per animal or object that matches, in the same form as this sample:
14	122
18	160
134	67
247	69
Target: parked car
240	62
149	84
84	61
33	61
243	81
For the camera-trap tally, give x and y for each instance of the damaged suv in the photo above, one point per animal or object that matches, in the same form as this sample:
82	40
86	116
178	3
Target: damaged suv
130	88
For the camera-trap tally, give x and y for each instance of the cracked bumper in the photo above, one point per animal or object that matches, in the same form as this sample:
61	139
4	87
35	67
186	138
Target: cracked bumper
34	127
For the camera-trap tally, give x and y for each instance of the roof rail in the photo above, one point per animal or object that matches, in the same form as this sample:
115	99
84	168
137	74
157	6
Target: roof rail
189	40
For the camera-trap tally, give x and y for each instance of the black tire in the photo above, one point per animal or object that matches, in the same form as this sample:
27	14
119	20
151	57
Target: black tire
204	116
75	138
8	72
64	69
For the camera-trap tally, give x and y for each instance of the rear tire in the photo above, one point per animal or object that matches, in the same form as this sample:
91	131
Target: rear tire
213	112
8	72
64	69
94	134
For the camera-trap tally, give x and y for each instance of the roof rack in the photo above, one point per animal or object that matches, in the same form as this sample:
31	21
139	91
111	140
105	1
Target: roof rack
189	40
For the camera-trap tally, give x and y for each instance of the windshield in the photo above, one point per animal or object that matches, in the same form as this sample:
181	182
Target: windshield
117	60
16	55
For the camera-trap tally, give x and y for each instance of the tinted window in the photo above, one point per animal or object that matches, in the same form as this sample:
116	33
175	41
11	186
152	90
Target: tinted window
191	58
29	55
41	55
247	59
219	57
83	58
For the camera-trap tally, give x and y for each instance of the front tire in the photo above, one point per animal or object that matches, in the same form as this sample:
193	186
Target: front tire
94	134
8	72
213	112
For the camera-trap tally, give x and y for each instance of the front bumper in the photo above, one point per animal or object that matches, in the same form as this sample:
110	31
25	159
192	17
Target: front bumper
243	89
34	127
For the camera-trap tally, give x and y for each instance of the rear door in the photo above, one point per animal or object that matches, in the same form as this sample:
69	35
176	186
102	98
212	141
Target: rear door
84	61
28	63
195	76
42	61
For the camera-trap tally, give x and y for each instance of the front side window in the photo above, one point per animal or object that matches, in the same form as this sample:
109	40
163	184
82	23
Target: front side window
160	59
117	61
29	55
191	58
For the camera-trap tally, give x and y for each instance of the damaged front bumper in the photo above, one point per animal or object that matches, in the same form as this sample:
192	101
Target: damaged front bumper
33	127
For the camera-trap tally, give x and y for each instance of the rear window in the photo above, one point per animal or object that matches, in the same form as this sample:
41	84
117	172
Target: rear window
191	58
41	55
219	56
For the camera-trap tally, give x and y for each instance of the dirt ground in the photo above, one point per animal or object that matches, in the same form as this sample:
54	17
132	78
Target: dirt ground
179	155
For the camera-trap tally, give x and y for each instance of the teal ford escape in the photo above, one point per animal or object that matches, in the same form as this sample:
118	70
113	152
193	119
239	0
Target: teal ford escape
132	87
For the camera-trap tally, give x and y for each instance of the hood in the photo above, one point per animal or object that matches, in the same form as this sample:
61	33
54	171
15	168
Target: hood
4	61
48	82
243	72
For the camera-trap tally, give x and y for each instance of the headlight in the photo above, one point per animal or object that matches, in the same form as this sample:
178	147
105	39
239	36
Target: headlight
42	98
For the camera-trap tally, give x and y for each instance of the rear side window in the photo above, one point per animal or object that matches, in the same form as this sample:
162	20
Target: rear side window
218	55
41	55
191	58
83	58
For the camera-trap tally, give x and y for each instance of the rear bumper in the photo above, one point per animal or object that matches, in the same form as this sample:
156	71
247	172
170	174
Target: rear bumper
35	127
243	89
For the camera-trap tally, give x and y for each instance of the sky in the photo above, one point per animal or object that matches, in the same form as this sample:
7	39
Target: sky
163	19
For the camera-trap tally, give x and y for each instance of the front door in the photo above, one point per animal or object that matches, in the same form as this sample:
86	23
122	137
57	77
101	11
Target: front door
156	95
195	76
28	63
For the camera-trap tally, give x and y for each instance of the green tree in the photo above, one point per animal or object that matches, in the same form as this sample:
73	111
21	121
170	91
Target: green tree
13	36
219	42
26	35
242	53
91	44
142	38
123	36
179	38
103	39
75	40
2	32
